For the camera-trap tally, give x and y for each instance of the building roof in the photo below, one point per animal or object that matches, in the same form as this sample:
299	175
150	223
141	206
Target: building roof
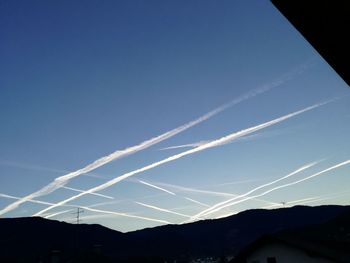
325	25
330	240
336	252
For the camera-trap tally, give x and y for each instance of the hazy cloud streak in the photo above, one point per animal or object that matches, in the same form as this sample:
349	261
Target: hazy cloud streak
218	205
195	190
281	186
156	187
245	138
196	202
215	193
211	144
172	193
189	145
32	201
63	180
81	191
124	215
162	209
58	213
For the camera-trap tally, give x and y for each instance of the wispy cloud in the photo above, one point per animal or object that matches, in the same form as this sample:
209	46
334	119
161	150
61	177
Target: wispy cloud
89	208
211	144
163	210
171	193
245	138
41	168
216	207
32	201
206	192
194	190
188	145
156	187
63	180
125	215
81	191
196	202
273	189
209	192
58	213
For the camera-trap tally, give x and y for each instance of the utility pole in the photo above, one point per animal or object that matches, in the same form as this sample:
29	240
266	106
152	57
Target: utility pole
79	211
78	220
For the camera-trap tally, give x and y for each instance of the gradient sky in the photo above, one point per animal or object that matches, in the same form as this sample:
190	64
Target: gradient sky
82	79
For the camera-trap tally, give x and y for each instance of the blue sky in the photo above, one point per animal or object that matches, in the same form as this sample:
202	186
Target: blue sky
80	80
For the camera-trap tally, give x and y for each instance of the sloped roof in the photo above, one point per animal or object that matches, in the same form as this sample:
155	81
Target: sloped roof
329	240
337	252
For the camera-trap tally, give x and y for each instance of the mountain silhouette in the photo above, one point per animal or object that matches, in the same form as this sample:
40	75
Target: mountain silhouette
34	239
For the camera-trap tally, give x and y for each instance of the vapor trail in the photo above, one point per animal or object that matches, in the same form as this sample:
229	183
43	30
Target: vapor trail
62	180
156	187
218	205
316	199
172	193
86	208
32	201
195	190
58	213
196	202
226	215
211	144
191	190
189	145
124	214
196	144
41	168
215	193
279	187
81	191
163	210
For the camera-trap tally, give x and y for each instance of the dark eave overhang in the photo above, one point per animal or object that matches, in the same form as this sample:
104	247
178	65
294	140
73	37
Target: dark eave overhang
325	24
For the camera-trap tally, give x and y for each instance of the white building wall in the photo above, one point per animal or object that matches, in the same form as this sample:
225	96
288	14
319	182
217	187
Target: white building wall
283	254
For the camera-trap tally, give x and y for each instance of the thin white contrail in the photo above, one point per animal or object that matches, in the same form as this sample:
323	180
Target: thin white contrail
32	201
211	144
226	215
58	213
245	138
281	186
215	207
63	180
196	202
215	193
156	187
188	145
316	199
239	182
172	193
193	190
125	215
86	208
81	191
42	168
109	213
163	209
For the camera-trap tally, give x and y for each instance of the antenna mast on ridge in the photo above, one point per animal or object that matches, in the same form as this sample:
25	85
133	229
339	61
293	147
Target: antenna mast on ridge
79	211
